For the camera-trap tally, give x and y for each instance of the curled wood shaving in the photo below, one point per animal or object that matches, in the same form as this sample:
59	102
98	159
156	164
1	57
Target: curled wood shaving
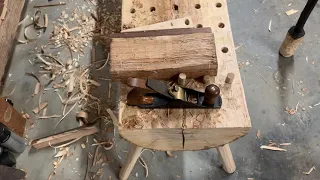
143	164
93	82
58	61
44	61
170	154
147	150
23	41
24	19
12	91
292	111
40	107
65	115
62	152
33	75
72	100
312	168
106	148
105	63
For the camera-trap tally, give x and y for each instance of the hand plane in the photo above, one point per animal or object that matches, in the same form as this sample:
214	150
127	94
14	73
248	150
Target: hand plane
152	93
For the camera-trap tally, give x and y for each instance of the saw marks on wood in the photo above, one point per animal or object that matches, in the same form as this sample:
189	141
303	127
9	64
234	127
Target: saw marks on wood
162	57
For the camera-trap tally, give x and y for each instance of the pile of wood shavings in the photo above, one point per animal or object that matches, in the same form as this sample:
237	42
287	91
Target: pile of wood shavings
70	78
74	31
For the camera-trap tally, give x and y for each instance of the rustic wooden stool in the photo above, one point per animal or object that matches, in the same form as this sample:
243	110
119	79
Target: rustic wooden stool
186	129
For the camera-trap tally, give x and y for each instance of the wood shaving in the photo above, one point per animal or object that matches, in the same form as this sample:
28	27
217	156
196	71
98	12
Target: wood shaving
106	148
170	154
106	62
53	173
62	152
100	143
285	144
272	148
144	165
40	107
95	156
44	112
258	134
50	5
85	91
71	84
66	144
65	115
88	159
54	58
272	144
292	111
36	88
12	91
312	168
291	11
93	82
48	117
270	22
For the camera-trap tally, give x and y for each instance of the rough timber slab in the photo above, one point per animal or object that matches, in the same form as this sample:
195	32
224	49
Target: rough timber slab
162	54
200	129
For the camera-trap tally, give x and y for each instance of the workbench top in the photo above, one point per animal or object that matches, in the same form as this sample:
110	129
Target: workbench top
188	129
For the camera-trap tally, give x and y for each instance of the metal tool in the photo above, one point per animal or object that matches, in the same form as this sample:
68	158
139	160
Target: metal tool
296	33
10	140
152	93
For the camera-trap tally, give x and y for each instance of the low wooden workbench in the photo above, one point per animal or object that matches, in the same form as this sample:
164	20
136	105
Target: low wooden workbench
187	129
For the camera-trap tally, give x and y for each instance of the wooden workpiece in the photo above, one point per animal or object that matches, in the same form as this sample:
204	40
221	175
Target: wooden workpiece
64	137
188	129
161	54
10	16
11	118
185	22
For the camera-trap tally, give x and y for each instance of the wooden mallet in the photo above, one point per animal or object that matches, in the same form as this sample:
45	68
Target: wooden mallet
296	33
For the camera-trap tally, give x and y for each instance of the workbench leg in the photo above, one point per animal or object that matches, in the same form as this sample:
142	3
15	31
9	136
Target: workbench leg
131	160
226	158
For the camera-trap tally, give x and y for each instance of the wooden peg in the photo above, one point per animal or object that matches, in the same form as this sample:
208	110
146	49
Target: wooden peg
229	78
182	79
206	79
